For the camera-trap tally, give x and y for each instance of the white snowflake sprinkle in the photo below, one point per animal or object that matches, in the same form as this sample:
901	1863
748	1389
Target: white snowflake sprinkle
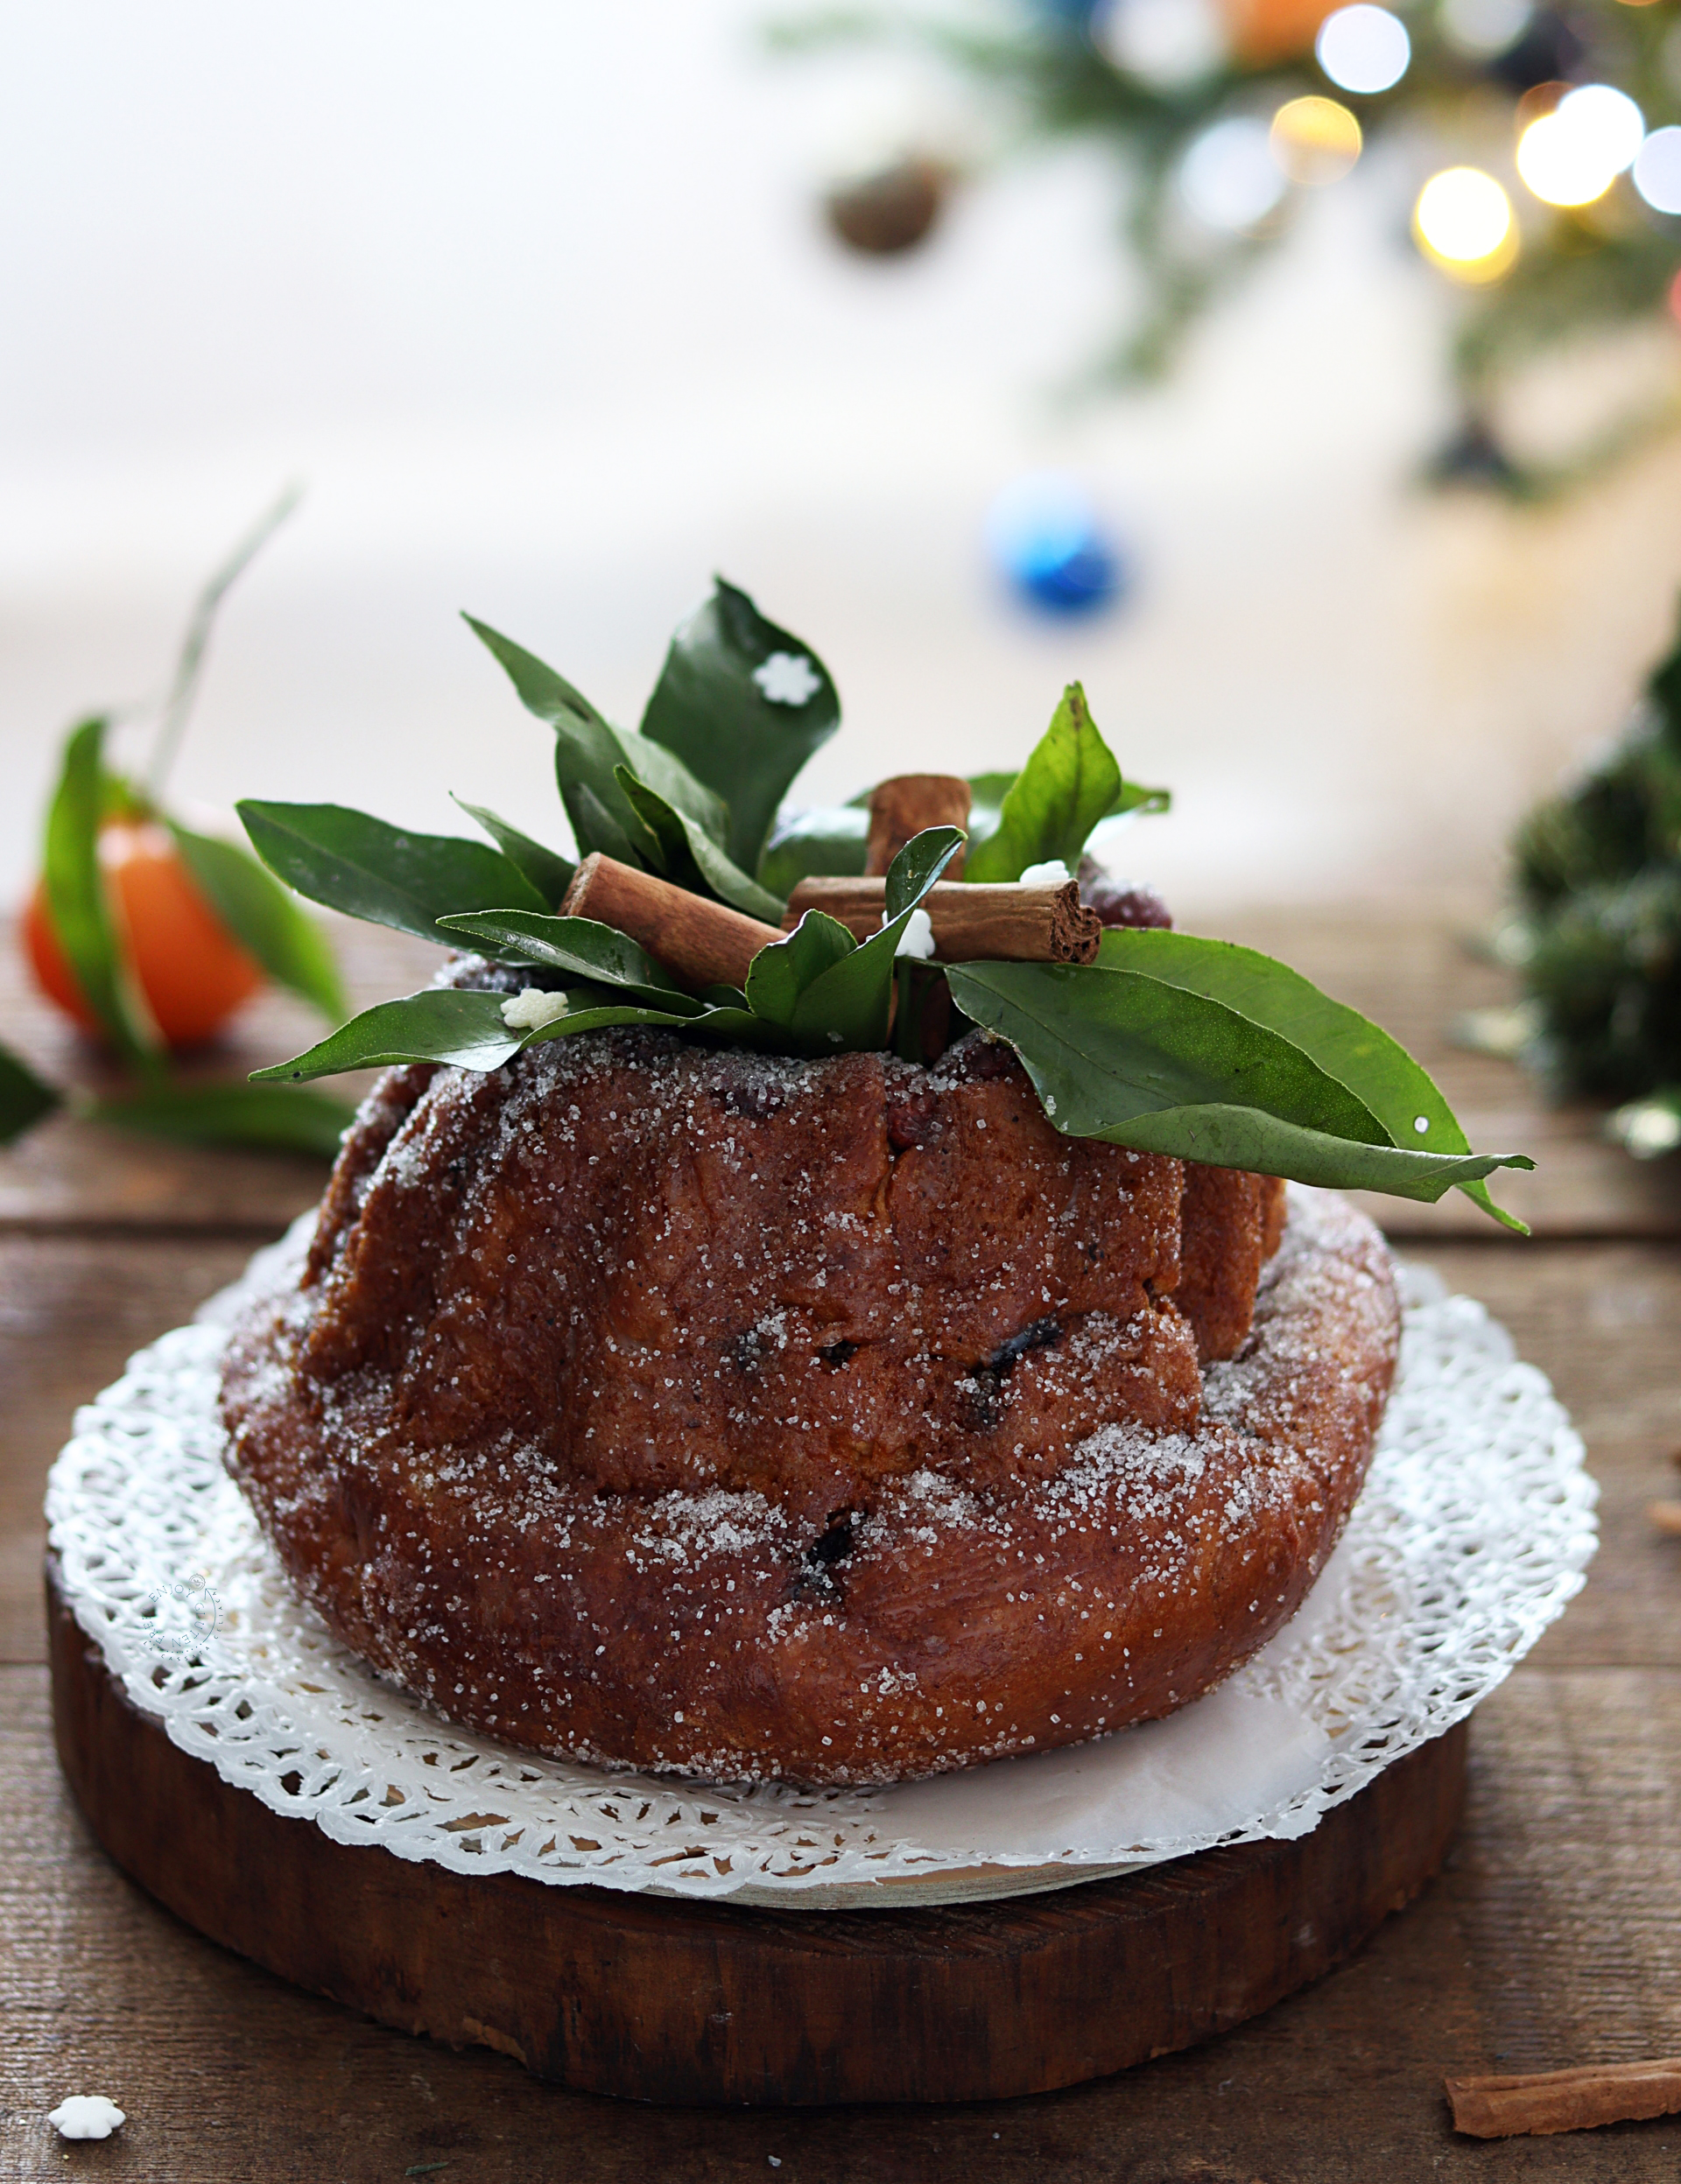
85	2115
531	1008
788	678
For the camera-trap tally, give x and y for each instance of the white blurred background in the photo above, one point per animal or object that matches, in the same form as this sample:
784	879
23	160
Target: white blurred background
533	297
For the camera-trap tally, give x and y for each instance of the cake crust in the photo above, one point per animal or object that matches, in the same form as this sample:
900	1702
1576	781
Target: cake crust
839	1421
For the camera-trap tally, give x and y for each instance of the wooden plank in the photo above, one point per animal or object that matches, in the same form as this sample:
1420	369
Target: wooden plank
1551	1936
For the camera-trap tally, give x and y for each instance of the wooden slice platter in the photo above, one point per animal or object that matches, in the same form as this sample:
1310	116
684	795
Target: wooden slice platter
703	2004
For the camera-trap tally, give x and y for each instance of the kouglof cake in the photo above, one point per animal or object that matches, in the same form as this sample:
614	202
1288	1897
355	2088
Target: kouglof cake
820	1303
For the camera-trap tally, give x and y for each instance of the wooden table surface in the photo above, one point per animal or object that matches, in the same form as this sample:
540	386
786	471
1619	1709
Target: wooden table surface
1552	1938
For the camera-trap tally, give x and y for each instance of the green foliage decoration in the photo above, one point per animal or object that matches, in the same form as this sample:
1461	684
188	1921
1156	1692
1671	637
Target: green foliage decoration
1168	1043
1596	936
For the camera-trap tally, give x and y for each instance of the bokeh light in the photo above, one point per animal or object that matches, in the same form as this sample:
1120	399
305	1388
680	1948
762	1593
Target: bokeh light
1657	170
1573	155
1608	119
1229	179
1169	44
1484	28
1364	48
1314	140
1463	221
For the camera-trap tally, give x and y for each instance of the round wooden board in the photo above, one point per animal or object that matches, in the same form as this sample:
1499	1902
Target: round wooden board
701	2003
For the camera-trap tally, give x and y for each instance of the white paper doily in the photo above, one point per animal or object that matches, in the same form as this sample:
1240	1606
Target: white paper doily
1473	1531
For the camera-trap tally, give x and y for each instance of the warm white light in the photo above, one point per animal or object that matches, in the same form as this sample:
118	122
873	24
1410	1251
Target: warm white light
1170	43
1657	170
1599	114
1314	140
1573	155
1229	178
1364	48
1561	167
1483	28
1464	219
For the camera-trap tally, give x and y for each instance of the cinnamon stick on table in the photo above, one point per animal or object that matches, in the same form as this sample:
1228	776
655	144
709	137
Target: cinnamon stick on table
1565	2100
908	804
700	943
972	924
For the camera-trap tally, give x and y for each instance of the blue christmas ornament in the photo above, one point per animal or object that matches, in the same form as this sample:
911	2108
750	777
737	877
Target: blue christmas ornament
1046	538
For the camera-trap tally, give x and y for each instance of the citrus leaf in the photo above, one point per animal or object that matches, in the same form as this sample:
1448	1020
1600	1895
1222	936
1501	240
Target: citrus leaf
1116	1043
271	1116
549	874
579	945
742	726
832	841
689	857
551	697
1069	783
24	1098
264	918
1246	1137
79	906
1121	1055
438	1024
782	971
1357	1052
387	874
588	753
848	1009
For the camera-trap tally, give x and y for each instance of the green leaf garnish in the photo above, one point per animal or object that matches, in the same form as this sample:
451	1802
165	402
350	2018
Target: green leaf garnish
24	1098
387	874
686	854
80	908
549	874
580	946
467	1030
264	918
1067	785
438	1024
1352	1049
841	1007
1127	1057
268	1115
782	971
590	754
717	706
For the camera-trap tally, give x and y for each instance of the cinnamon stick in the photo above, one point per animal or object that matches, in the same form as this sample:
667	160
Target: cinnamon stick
980	923
901	808
1565	2100
700	943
